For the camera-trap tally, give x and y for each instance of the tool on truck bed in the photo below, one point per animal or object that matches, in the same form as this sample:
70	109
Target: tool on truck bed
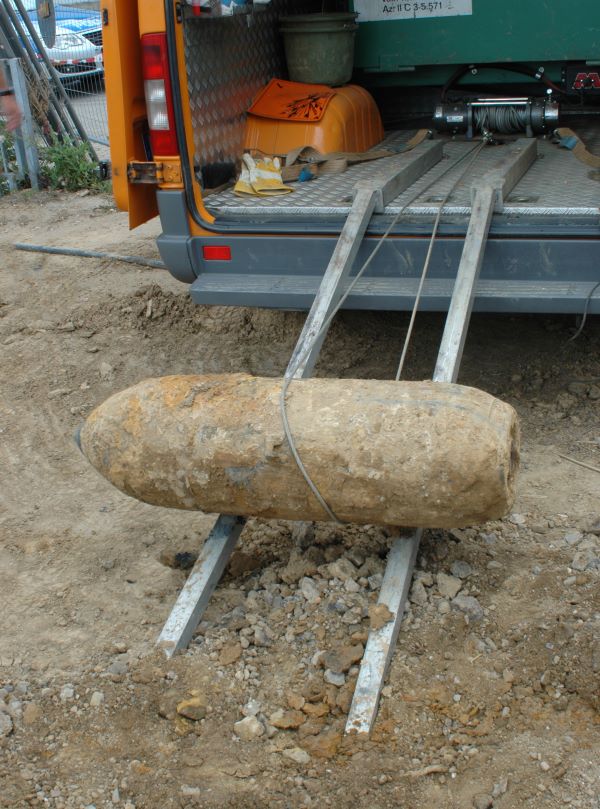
174	442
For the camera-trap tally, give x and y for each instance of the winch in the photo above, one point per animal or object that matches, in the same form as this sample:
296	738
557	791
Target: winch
506	116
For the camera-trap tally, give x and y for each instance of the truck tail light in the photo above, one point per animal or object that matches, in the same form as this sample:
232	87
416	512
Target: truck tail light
159	99
216	252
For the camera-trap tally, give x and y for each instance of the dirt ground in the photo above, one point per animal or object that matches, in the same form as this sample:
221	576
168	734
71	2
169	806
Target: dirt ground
491	704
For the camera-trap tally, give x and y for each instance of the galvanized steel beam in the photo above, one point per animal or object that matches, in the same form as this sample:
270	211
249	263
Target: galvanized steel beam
403	554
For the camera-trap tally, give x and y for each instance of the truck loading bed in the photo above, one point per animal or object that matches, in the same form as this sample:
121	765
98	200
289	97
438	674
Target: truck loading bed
550	221
558	185
543	250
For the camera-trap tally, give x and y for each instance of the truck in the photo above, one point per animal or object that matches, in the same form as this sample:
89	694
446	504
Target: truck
182	79
421	154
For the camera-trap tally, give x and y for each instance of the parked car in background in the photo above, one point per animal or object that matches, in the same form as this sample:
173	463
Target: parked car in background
77	50
75	57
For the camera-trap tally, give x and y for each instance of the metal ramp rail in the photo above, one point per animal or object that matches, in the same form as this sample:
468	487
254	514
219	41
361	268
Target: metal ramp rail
370	196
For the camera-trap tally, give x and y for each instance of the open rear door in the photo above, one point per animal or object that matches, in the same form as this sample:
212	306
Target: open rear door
127	122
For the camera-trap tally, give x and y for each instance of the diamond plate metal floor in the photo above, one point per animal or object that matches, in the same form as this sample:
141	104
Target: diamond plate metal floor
556	185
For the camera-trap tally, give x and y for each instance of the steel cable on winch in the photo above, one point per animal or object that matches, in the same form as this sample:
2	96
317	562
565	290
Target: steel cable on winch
506	120
476	152
290	374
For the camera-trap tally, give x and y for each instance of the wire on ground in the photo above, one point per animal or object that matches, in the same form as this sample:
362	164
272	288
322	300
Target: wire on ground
141	261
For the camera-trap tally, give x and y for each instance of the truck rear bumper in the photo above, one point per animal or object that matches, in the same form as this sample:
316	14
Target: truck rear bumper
524	274
381	293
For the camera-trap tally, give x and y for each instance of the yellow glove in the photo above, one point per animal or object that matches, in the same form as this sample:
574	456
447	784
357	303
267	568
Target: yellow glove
261	178
243	185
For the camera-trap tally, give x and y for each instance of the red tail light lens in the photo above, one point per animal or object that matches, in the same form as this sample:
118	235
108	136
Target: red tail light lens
159	100
216	252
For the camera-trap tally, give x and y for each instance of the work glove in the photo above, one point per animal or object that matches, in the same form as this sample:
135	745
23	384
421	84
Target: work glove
243	185
261	177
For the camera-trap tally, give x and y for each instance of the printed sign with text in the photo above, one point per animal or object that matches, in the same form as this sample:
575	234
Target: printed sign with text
373	10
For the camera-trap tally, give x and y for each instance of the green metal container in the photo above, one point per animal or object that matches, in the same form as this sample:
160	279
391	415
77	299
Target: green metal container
403	36
319	48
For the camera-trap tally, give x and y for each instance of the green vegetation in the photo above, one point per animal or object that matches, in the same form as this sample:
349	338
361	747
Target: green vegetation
8	161
64	165
68	166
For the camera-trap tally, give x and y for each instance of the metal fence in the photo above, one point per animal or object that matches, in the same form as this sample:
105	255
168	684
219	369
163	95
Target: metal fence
80	64
19	152
58	78
76	56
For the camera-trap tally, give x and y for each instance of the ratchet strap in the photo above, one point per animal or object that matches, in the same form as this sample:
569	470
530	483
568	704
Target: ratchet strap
570	140
306	162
